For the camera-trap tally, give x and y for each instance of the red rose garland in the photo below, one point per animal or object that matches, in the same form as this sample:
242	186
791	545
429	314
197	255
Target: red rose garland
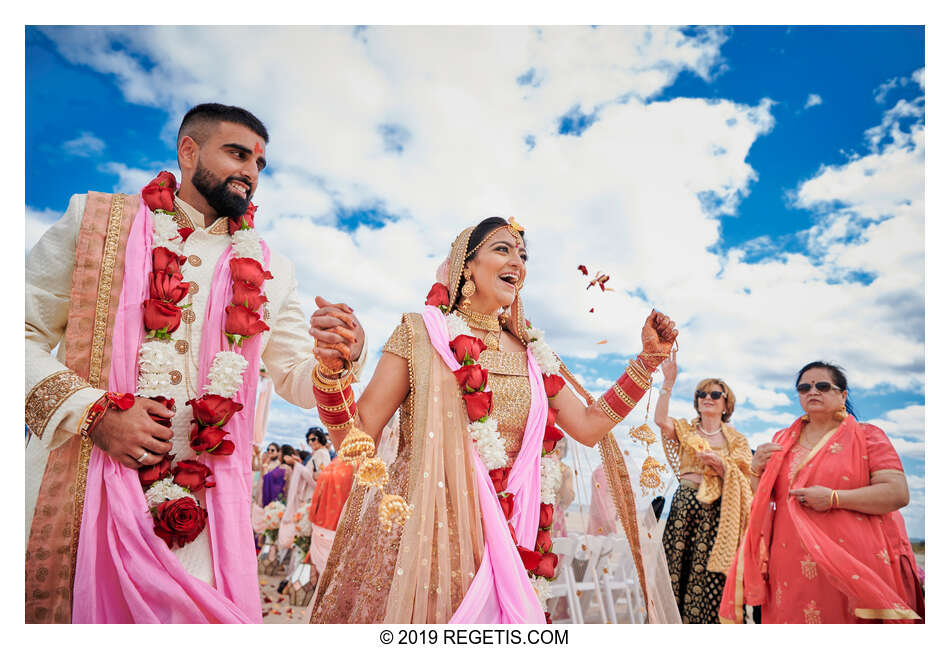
178	517
472	379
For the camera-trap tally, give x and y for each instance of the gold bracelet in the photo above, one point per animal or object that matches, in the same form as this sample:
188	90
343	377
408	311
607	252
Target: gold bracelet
624	397
325	384
751	472
608	410
637	366
636	378
345	425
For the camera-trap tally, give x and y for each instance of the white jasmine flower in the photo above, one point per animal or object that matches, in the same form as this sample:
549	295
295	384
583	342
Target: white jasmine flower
226	374
456	326
164	490
247	243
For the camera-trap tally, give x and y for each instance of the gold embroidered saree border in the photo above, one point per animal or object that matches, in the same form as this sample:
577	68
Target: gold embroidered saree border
885	614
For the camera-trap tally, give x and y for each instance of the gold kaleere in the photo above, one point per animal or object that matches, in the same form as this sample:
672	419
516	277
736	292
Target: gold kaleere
359	451
650	479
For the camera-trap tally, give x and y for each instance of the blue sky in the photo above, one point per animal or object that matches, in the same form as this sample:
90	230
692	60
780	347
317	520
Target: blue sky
764	185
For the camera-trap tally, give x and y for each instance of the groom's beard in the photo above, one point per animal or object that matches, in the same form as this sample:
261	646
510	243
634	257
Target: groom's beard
221	199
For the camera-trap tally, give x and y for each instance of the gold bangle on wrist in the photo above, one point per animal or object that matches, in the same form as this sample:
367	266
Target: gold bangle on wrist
643	383
608	410
624	397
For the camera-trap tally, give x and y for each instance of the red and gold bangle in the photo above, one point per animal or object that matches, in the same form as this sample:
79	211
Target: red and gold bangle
622	397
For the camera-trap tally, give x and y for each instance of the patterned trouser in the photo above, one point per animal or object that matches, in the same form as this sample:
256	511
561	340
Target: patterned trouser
688	539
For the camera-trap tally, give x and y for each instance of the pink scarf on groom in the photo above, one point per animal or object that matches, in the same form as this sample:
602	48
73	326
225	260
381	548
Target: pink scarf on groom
125	573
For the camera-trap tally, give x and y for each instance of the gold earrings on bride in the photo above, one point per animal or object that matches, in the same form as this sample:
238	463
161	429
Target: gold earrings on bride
468	288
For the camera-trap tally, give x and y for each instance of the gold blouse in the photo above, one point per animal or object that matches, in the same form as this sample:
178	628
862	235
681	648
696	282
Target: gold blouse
507	381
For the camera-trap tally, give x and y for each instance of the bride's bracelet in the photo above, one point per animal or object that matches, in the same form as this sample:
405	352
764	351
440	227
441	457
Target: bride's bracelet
622	397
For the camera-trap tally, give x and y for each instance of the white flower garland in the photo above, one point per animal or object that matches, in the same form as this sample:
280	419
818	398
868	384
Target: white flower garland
546	358
488	442
155	362
163	490
226	375
550	478
542	588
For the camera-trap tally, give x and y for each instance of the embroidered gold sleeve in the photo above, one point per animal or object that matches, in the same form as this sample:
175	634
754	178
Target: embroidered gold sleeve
399	341
47	396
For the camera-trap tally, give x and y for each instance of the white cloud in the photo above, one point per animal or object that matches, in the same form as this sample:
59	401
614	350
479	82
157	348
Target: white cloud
37	222
904	422
84	146
623	197
813	100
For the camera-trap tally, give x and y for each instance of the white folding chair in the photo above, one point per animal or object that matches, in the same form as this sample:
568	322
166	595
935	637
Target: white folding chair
563	584
615	578
591	547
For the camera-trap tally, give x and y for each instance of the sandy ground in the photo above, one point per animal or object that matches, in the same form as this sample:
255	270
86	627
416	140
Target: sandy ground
275	608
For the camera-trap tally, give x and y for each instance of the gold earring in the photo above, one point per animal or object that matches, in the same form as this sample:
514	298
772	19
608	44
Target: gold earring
840	414
468	288
503	318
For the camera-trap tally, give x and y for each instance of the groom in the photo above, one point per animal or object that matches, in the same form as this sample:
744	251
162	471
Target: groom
160	307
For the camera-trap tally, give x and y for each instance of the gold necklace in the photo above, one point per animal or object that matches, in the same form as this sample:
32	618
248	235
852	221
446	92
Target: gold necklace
485	321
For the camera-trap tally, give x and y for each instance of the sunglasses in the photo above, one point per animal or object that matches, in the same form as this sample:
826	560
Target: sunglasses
715	394
311	439
821	386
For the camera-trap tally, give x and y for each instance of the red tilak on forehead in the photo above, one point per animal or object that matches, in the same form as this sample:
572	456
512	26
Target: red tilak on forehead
258	148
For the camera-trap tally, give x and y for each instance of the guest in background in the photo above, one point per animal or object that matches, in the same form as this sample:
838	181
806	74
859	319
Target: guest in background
710	508
825	542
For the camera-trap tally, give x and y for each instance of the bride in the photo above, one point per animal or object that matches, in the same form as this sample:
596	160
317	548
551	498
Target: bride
481	406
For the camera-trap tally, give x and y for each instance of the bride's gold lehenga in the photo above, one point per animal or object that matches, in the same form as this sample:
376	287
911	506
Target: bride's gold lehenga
421	571
373	576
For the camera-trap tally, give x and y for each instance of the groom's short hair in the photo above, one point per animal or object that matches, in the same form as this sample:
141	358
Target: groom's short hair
199	120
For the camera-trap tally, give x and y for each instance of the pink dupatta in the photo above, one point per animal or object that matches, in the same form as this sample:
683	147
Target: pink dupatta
501	592
125	573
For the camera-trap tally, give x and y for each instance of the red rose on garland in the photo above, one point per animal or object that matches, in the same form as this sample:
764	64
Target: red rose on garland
551	437
161	317
546	517
213	409
247	295
552	384
529	558
168	403
547	565
471	377
511	530
507	503
499	478
240	322
467	348
245	269
552	416
165	261
192	475
151	474
206	438
478	404
179	521
168	287
438	296
544	541
245	222
160	193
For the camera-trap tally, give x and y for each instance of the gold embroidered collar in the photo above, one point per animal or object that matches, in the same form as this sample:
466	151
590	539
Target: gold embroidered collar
187	216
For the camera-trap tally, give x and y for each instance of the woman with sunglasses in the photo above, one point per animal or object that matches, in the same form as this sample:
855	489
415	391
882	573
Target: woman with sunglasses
710	508
825	542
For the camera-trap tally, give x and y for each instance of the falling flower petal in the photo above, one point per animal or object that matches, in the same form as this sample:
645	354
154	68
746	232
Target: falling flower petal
582	268
601	342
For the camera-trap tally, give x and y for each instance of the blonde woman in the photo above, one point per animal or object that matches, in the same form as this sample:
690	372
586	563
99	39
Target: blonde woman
710	509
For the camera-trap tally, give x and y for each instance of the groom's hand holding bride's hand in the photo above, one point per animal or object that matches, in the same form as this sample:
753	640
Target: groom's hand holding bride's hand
337	333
